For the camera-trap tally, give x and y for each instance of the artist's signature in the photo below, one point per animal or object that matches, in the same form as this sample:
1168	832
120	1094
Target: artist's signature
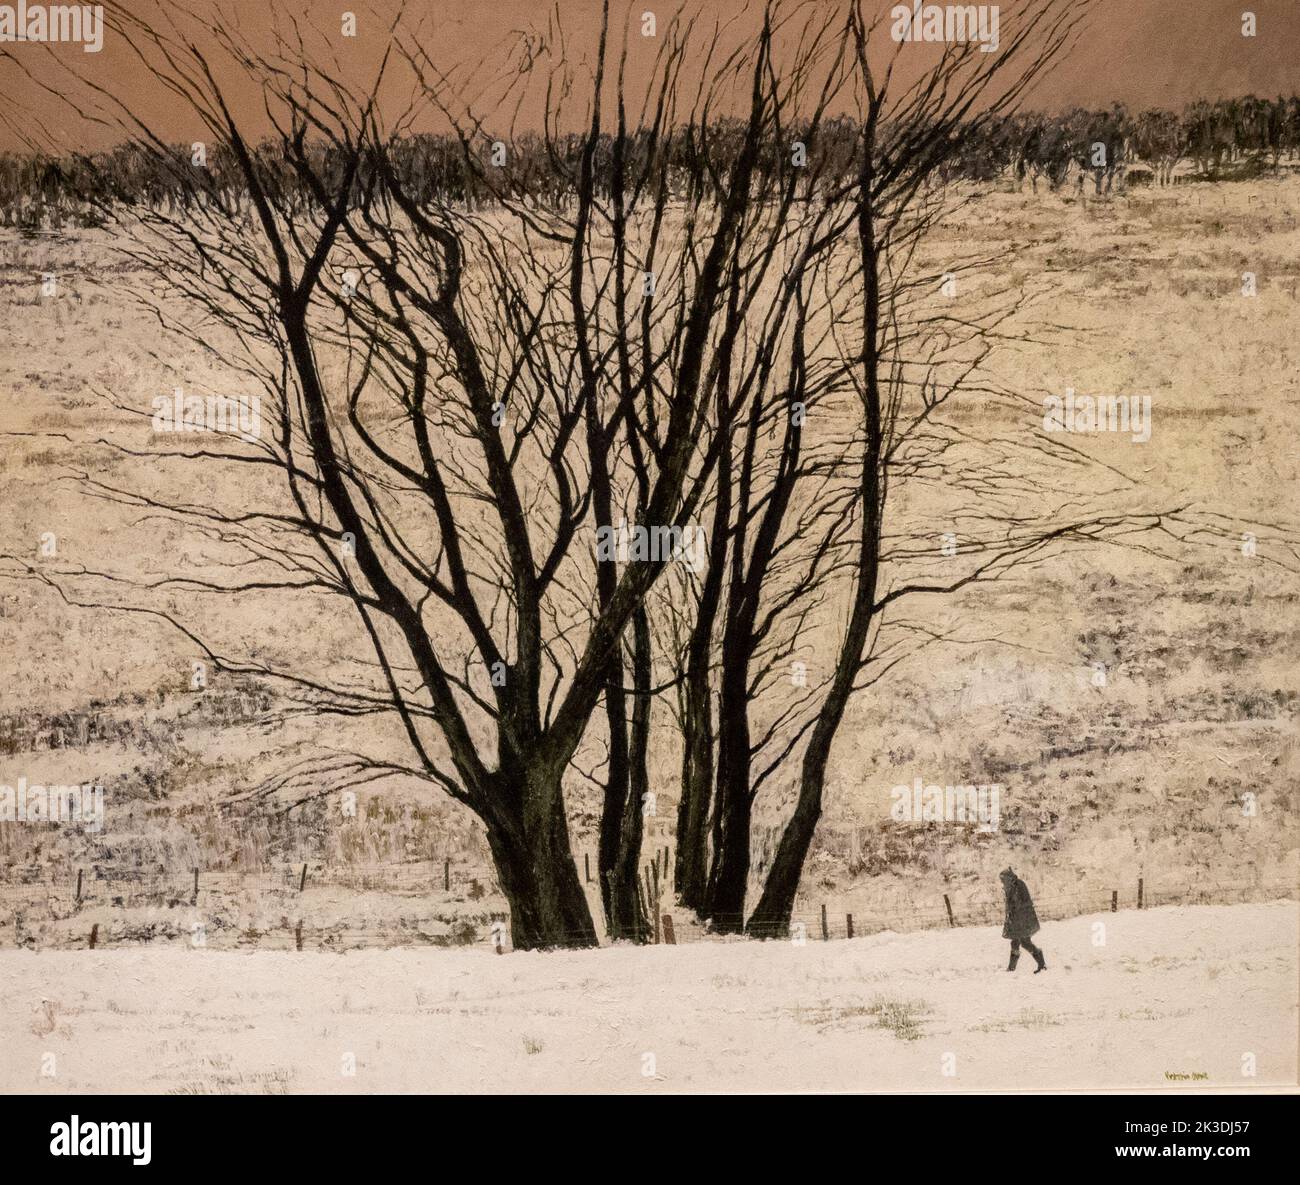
1194	1076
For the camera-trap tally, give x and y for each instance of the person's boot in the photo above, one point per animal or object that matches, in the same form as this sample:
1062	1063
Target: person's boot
1042	962
1015	958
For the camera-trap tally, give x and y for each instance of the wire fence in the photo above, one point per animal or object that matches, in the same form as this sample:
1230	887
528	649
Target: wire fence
458	907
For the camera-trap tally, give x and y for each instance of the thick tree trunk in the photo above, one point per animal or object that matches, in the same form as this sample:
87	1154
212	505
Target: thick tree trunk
632	922
771	916
537	873
729	875
621	807
617	871
691	871
617	875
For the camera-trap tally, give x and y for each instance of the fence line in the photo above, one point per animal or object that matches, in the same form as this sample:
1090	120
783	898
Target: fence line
820	923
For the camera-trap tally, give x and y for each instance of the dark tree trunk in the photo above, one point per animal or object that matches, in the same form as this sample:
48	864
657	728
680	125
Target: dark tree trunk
617	874
617	887
691	872
729	874
691	864
630	918
617	881
537	873
724	903
771	916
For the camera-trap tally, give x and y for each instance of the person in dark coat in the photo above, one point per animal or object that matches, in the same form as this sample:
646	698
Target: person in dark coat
1022	922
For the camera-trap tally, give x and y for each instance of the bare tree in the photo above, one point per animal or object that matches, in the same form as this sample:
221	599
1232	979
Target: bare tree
480	369
922	463
801	512
461	398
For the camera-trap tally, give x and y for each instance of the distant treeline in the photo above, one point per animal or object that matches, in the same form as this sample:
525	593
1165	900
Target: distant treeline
1228	139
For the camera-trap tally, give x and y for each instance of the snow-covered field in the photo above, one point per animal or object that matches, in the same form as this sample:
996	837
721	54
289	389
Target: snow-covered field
1169	997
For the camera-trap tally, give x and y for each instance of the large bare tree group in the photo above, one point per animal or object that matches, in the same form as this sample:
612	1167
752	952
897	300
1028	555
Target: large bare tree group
701	307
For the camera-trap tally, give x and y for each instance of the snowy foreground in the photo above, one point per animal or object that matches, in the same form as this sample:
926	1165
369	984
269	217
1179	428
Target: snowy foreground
1176	997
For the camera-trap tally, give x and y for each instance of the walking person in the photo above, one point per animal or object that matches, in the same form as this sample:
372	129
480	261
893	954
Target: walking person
1021	921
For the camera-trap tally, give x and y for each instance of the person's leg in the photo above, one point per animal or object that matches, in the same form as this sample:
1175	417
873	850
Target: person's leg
1015	955
1036	953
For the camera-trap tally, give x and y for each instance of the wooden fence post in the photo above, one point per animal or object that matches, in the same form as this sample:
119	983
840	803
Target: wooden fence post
302	884
641	894
1114	901
826	934
195	899
670	938
654	874
446	876
297	934
948	906
586	865
848	922
94	935
1139	892
79	871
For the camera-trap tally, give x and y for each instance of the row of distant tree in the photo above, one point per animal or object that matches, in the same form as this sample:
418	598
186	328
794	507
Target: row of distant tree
1232	137
1219	140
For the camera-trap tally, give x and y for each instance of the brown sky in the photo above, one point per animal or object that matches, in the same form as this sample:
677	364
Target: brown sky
1141	52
